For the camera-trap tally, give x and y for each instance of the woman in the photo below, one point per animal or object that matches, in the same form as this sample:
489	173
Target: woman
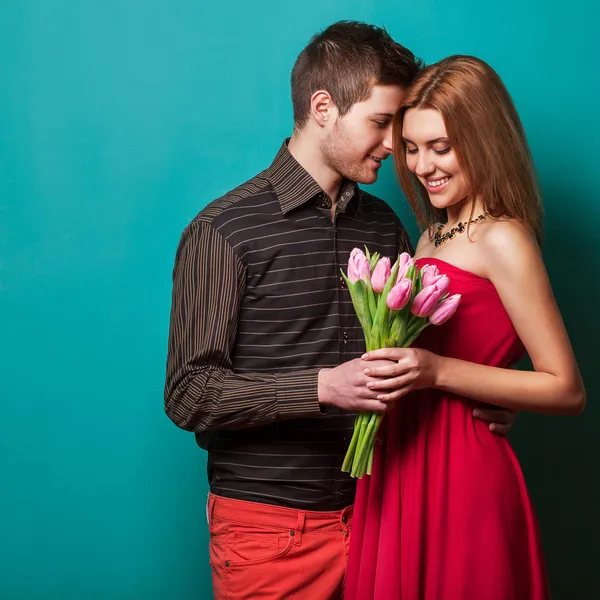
446	514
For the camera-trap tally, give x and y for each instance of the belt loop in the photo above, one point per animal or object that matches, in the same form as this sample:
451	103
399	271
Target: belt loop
299	527
346	519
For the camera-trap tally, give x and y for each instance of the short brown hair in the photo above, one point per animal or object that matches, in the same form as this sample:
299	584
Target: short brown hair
347	59
486	134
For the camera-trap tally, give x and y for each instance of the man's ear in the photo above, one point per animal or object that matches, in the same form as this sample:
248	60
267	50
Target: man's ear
322	108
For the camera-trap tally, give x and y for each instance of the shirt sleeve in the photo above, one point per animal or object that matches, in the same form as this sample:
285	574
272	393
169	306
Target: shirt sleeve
202	392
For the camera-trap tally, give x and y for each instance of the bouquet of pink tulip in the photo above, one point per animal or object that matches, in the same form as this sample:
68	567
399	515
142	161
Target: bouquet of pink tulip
394	305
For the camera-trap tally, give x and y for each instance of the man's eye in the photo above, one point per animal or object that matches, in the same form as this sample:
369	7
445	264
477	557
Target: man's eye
381	124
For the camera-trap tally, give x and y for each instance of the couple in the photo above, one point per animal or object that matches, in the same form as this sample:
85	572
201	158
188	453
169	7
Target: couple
266	363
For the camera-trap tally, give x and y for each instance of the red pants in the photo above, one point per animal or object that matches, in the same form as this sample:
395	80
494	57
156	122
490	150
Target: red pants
264	552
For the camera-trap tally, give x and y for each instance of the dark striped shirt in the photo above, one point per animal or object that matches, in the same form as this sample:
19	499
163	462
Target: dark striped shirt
259	307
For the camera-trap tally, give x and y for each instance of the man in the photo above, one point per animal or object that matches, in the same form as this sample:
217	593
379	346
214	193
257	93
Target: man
263	351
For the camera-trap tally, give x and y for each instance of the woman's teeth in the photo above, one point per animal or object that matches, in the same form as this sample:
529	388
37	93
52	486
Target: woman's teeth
438	182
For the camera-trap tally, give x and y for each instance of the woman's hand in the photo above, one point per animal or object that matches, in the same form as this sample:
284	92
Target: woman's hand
412	369
408	369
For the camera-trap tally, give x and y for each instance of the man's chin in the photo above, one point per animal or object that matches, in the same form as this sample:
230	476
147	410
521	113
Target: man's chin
366	178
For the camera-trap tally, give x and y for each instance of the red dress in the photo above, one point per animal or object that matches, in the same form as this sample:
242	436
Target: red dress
445	514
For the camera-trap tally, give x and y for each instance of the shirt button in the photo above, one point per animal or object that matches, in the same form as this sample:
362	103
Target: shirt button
342	283
345	337
344	519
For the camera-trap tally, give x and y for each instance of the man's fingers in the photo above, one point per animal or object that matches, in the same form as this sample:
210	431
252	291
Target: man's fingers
500	429
500	420
371	406
495	415
367	396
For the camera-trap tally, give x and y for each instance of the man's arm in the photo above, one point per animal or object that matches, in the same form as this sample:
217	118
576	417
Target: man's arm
202	392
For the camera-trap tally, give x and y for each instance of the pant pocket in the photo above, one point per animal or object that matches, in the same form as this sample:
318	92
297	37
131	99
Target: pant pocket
251	546
261	565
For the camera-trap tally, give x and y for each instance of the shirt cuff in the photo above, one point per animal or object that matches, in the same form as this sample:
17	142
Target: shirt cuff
298	394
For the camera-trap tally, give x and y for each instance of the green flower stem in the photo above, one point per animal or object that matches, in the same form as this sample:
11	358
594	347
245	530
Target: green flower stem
363	455
370	442
372	299
361	432
414	332
347	466
366	438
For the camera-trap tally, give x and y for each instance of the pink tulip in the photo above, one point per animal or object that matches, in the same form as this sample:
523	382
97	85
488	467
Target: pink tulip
406	262
399	295
358	266
441	282
428	272
381	274
444	310
426	300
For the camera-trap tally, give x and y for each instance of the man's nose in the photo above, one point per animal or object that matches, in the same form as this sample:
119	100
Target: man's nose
388	139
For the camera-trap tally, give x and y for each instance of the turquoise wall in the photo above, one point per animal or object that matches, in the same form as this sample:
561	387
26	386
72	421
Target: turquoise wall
119	121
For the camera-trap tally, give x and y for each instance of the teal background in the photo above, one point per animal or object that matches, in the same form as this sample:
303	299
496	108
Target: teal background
119	121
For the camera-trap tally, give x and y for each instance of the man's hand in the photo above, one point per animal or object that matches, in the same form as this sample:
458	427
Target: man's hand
500	420
347	387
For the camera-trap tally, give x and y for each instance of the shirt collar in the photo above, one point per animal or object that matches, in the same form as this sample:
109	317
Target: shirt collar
294	186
